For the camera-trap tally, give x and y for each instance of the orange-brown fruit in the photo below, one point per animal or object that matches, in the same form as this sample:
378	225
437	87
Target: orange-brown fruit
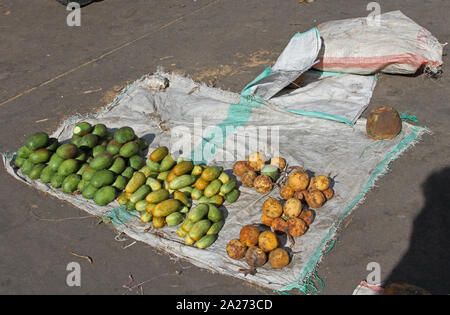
296	227
279	225
200	184
272	208
383	123
300	195
240	167
268	241
249	235
266	220
263	184
158	222
279	258
298	181
292	208
248	178
328	193
307	216
286	192
171	176
255	256
278	162
320	182
315	199
256	161
235	249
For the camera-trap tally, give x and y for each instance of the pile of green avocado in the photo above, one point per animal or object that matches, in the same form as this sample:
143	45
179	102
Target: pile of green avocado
96	163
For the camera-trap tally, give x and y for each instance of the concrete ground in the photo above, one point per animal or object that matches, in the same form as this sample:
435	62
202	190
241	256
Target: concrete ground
49	71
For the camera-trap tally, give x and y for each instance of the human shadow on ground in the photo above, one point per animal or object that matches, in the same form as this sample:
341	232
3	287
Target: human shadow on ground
426	263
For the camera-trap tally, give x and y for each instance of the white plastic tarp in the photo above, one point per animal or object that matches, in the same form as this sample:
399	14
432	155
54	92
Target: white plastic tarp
322	146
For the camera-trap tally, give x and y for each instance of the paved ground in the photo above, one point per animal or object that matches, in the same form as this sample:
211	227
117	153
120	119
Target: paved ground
49	71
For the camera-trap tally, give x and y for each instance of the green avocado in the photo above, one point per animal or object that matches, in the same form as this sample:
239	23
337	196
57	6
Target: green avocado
102	161
57	180
70	183
124	135
113	147
118	165
129	149
68	167
40	156
89	191
102	178
67	151
82	128
100	130
105	195
46	174
35	172
136	162
88	141
36	141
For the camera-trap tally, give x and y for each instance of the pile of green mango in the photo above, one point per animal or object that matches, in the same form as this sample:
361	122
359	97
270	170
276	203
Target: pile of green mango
94	163
164	190
201	225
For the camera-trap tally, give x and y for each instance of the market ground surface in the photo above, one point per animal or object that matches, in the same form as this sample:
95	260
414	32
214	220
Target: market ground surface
49	71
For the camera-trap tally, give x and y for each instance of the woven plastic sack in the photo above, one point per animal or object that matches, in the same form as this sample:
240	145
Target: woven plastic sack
327	95
396	45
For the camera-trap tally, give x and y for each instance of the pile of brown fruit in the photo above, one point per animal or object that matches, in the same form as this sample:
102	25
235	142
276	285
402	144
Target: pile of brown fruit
257	173
289	218
314	191
299	192
258	247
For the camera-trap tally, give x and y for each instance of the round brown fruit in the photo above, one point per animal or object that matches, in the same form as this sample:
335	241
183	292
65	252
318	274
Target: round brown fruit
300	195
279	258
255	257
320	182
256	161
296	227
249	235
298	181
383	123
263	184
292	208
267	241
272	208
266	220
278	162
286	192
235	249
279	225
307	216
248	178
315	199
240	167
328	193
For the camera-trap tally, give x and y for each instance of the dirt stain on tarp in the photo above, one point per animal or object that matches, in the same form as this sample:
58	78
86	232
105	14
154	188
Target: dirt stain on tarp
111	94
